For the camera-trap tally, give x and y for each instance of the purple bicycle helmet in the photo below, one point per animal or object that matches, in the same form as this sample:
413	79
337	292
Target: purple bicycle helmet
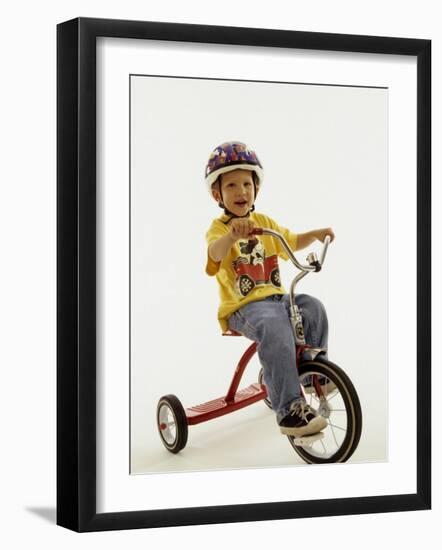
229	156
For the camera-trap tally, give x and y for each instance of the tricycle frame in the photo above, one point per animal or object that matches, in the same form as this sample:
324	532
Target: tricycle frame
234	399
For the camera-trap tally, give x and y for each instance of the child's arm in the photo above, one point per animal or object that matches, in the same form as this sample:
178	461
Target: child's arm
239	228
305	239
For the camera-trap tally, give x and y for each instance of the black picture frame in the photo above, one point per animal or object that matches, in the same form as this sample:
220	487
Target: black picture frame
77	287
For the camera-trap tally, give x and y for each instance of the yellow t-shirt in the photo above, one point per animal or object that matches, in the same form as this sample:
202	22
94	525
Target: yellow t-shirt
247	273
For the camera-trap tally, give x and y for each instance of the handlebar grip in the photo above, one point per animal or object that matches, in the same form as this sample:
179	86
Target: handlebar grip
257	231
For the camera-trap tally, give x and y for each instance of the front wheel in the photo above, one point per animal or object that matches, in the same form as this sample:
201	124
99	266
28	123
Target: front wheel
330	392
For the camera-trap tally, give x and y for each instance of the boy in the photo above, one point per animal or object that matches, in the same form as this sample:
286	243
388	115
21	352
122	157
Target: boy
253	302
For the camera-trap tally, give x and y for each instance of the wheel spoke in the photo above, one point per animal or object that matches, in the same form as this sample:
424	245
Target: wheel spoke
334	435
332	396
337	427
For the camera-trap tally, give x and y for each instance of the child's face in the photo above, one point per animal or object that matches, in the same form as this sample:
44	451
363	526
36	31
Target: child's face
238	191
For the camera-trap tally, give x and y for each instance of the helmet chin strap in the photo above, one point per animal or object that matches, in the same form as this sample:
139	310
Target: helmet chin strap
232	215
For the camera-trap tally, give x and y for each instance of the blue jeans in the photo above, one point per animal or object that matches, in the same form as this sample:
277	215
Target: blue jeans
267	322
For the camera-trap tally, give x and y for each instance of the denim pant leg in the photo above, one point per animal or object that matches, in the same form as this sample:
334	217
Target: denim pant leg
266	322
314	319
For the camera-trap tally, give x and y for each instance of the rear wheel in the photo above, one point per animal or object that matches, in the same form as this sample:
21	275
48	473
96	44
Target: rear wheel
172	423
330	392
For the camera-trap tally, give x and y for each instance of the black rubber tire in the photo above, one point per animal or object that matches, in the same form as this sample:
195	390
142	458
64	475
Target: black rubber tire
261	381
352	410
175	407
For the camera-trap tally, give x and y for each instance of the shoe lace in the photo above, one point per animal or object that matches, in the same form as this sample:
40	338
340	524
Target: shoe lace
300	408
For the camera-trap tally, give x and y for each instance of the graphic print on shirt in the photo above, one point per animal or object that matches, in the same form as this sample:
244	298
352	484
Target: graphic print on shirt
253	268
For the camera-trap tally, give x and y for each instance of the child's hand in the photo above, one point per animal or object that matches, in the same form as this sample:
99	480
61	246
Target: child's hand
320	234
240	228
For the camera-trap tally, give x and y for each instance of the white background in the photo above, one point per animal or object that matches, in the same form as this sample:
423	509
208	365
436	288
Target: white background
28	277
324	152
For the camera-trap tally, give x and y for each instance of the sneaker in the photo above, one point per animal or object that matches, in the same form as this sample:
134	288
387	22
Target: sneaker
301	420
326	384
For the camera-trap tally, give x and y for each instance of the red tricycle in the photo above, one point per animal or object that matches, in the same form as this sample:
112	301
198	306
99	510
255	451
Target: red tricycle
326	387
